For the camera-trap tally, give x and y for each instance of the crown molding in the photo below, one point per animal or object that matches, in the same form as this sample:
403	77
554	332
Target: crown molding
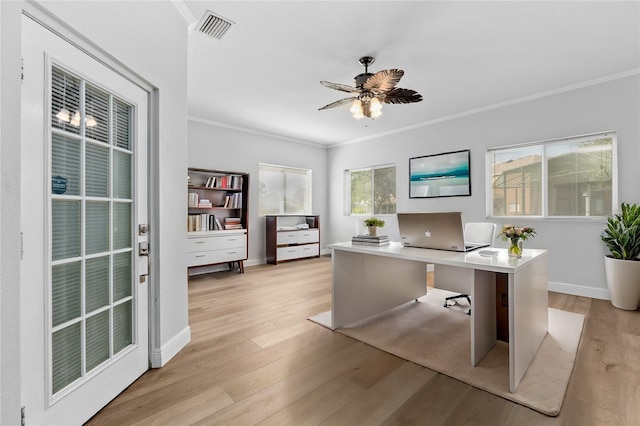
254	131
588	83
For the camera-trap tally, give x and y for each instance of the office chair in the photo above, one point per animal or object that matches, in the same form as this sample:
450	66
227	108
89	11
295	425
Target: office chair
478	233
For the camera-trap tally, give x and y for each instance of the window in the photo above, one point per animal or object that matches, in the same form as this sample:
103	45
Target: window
372	190
283	190
572	177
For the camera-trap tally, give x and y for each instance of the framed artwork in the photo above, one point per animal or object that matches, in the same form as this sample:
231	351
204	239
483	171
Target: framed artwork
440	175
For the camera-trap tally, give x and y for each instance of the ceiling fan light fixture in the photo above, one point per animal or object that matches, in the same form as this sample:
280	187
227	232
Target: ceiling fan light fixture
356	109
371	90
376	106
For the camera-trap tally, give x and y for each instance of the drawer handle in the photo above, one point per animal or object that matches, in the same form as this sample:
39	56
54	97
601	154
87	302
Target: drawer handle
233	239
200	255
200	242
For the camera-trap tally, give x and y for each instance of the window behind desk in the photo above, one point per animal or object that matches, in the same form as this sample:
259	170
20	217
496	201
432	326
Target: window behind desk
570	177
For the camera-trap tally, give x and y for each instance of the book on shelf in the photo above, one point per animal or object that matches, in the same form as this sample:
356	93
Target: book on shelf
223	182
193	199
233	201
232	223
204	203
235	181
201	222
218	224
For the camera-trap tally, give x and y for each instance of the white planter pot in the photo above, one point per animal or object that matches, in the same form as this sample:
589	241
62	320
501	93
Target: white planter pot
623	280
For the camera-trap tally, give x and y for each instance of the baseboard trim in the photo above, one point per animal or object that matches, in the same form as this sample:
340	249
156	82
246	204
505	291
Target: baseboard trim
170	349
580	290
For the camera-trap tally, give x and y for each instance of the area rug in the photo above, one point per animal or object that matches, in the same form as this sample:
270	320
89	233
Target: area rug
439	338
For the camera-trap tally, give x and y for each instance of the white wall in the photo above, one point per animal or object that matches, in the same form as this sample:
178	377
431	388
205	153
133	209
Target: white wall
576	251
10	213
214	147
156	51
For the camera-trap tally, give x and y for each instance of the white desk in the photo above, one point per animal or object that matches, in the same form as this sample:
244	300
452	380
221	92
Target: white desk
371	280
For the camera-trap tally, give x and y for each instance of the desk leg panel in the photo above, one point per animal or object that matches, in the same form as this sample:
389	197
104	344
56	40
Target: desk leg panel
529	322
365	285
483	314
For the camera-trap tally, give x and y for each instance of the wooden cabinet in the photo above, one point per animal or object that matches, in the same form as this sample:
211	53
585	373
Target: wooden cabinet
217	226
291	237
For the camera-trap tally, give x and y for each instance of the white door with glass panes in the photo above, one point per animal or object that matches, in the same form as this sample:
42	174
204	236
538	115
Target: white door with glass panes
84	296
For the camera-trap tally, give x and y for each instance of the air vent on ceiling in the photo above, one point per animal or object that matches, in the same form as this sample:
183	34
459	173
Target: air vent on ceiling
214	25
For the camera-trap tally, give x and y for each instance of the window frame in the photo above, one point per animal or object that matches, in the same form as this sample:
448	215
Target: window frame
544	145
308	204
347	185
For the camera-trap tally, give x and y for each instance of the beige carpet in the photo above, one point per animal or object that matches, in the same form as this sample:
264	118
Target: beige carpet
439	338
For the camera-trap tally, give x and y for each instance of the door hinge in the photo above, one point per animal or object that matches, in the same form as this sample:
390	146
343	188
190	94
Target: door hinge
21	246
22	416
21	69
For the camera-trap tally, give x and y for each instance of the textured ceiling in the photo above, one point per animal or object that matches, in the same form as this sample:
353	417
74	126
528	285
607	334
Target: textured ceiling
264	74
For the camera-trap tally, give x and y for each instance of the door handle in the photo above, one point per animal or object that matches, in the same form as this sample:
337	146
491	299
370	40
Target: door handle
144	260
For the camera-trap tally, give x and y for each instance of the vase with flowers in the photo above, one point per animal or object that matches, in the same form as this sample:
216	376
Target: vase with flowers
516	235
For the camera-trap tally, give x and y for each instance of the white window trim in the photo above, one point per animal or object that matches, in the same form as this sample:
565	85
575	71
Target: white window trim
347	190
544	144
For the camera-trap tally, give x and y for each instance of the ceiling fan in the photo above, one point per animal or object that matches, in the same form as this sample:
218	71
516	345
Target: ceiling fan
371	89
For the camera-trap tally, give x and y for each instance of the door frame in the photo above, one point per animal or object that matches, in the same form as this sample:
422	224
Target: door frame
40	15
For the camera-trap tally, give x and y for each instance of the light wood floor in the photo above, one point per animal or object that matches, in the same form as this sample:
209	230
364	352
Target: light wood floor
255	359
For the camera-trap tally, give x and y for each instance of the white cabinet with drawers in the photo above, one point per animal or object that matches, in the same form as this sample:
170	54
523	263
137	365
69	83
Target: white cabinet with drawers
208	248
292	237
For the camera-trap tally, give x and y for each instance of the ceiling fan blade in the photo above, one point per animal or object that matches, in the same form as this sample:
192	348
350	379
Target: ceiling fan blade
401	96
383	81
338	86
341	102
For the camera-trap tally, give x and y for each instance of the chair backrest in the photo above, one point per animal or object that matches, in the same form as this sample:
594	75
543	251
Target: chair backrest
480	233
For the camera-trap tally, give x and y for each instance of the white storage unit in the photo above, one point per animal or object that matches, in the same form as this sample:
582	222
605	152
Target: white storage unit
292	237
217	226
208	248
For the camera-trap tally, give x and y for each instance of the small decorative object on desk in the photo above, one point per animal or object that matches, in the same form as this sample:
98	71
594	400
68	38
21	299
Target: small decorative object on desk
370	240
516	236
373	224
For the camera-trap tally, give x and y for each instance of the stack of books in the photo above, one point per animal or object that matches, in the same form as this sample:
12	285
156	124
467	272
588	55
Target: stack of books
204	204
370	240
232	223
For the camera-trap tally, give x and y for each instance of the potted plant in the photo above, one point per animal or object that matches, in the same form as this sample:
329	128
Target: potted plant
373	224
622	266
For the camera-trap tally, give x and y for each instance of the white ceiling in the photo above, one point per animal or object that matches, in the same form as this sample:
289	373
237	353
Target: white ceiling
264	75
